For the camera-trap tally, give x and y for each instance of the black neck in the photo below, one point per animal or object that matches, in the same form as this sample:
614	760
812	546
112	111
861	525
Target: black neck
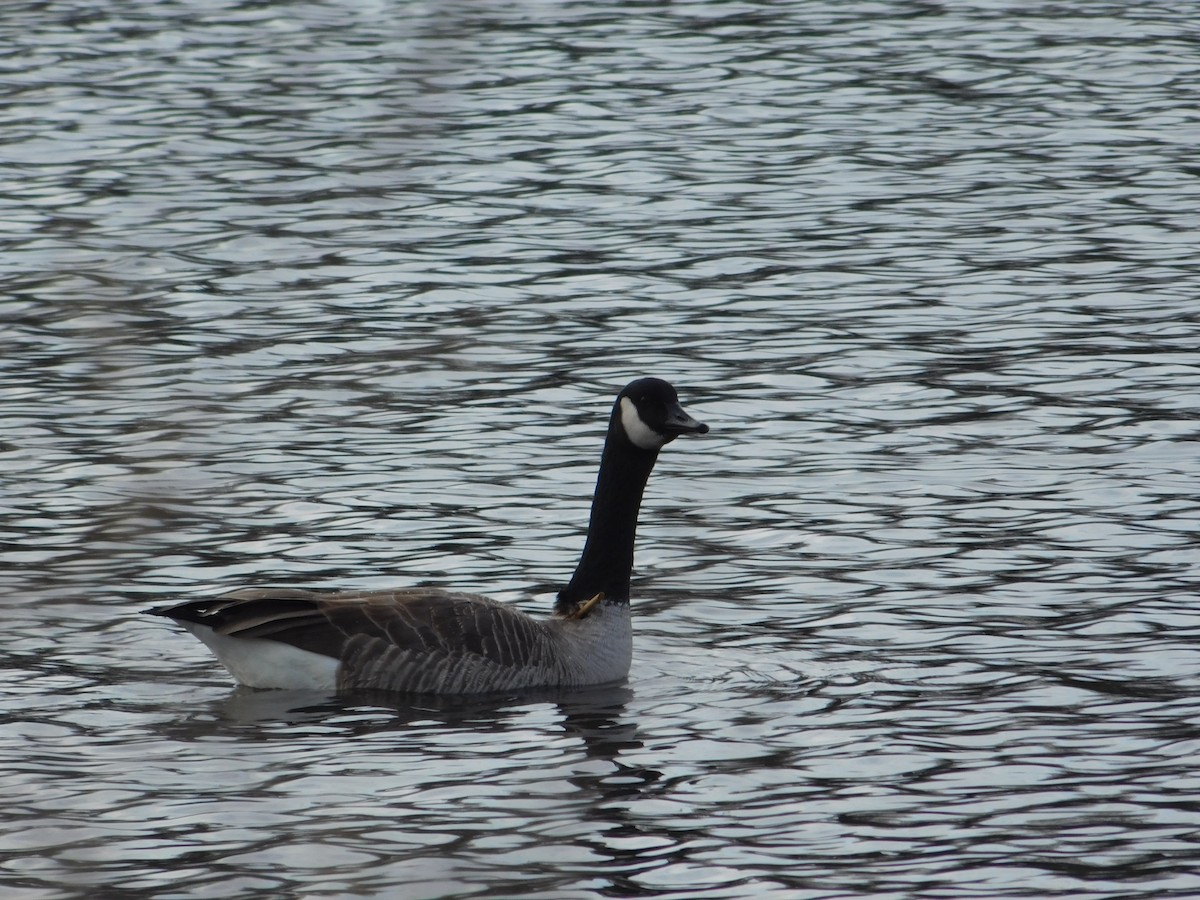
607	560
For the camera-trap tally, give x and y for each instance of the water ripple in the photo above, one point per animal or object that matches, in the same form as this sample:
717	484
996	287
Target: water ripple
339	295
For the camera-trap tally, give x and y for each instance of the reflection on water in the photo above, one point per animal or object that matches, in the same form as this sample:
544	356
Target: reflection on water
334	296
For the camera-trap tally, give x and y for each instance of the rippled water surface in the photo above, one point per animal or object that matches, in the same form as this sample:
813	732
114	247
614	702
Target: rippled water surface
339	295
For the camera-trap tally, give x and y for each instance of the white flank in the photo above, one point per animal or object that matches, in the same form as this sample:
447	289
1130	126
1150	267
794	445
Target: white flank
259	663
638	431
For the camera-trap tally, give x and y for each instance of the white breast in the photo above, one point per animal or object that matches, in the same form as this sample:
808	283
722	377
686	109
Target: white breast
597	649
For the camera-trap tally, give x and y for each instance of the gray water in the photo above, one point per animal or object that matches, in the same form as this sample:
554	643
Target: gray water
338	295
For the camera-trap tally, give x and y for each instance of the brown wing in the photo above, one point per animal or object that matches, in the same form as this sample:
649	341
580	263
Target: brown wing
347	626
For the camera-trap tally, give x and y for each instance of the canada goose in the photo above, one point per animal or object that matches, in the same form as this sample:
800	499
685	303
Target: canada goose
430	641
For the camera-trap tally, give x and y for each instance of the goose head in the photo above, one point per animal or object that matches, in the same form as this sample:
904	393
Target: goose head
649	415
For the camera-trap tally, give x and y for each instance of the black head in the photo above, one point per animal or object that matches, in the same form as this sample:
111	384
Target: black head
649	414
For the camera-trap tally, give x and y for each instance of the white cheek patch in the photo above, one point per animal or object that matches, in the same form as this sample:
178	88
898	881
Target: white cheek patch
639	432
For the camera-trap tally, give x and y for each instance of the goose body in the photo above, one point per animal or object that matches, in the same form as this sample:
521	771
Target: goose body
430	641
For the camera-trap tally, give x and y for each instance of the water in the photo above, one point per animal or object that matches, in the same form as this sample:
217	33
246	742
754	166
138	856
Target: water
339	296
